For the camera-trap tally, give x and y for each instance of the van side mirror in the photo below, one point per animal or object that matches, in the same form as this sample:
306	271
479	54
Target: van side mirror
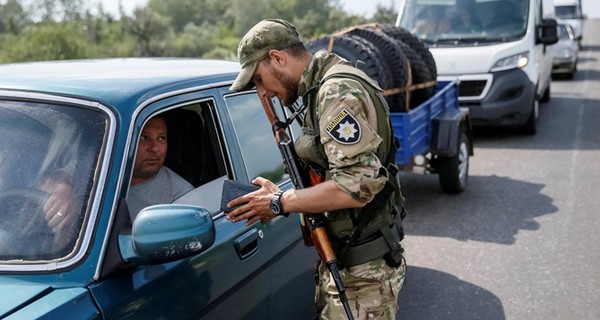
548	32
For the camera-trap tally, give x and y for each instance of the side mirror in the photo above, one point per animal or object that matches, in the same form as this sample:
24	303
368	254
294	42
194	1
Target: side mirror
548	32
168	232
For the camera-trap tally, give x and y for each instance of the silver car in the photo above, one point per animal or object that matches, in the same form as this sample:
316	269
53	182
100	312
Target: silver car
565	52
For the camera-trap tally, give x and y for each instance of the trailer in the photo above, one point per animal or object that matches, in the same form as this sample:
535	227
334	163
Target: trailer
436	137
434	132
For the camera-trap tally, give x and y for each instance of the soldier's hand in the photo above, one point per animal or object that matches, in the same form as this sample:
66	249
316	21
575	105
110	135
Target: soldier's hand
254	206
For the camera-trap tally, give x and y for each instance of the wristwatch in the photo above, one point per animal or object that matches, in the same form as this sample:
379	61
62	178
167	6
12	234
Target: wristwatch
275	204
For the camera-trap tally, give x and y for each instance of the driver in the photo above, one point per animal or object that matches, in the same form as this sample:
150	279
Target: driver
152	182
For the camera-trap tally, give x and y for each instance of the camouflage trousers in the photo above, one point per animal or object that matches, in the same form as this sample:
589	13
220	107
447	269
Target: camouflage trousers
371	288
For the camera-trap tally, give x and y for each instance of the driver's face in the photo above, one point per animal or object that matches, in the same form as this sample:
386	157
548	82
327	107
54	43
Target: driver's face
152	150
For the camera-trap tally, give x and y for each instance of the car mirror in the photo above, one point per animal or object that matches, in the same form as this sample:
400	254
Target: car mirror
168	232
548	32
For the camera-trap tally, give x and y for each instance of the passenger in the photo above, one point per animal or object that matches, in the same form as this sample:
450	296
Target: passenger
433	22
152	182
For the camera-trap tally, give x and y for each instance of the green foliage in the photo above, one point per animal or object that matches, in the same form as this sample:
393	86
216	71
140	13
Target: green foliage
66	29
49	41
13	17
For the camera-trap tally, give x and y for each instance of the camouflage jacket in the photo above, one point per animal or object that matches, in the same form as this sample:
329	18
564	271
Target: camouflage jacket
346	140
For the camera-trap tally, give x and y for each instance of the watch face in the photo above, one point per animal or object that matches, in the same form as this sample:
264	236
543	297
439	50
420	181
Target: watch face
275	206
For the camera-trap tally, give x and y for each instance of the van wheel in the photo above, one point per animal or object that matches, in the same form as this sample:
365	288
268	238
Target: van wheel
546	95
453	171
530	127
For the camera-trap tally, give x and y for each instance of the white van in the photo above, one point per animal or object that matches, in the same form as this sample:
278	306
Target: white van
498	49
570	12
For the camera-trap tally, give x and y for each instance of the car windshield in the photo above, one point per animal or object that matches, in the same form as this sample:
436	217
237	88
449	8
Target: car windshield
566	12
48	163
464	22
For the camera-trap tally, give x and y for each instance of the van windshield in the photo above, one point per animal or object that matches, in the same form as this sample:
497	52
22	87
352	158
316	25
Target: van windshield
458	22
567	12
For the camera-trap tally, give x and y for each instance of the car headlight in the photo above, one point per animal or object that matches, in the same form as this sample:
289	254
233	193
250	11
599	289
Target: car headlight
564	53
519	60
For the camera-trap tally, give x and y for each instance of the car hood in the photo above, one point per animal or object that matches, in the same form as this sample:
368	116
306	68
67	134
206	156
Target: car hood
32	301
14	297
563	44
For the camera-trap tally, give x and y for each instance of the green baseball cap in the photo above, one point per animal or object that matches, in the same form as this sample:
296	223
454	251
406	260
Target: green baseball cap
255	45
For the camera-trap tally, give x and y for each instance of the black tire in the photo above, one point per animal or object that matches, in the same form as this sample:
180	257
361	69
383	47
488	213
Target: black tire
420	74
546	96
453	171
396	60
356	49
414	43
530	127
421	60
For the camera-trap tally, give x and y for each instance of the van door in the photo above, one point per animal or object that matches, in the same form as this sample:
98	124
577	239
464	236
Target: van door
543	52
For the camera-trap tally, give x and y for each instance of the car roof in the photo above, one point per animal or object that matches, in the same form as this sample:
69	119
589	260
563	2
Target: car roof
119	82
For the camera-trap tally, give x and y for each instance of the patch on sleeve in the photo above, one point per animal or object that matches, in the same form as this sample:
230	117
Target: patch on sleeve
344	128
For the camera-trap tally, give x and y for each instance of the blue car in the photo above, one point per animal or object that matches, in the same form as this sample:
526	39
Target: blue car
80	121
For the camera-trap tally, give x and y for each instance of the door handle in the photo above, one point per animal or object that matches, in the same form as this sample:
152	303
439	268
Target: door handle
247	244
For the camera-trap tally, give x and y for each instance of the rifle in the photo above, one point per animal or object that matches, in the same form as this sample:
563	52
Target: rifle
312	225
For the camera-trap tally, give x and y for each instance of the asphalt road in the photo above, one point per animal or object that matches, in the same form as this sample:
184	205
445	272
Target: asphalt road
523	241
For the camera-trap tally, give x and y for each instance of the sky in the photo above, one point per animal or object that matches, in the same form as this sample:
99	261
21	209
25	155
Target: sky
359	7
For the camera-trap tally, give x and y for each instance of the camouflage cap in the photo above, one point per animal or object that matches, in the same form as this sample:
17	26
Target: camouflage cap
255	45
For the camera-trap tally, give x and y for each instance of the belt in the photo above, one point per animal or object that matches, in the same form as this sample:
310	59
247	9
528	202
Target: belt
371	250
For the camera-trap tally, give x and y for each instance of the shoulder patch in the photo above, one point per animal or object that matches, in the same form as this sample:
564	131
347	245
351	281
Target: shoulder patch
344	128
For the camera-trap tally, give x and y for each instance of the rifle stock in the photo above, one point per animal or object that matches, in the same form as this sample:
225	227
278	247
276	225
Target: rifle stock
312	225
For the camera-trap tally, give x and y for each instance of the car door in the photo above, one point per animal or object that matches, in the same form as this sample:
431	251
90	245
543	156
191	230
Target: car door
290	274
210	285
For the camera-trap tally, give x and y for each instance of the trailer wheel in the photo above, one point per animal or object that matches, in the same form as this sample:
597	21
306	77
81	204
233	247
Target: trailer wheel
453	171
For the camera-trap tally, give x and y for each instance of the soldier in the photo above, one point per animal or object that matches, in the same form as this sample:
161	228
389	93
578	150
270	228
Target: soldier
345	124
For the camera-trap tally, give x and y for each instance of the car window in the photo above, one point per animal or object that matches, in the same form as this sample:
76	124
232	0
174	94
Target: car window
49	153
254	137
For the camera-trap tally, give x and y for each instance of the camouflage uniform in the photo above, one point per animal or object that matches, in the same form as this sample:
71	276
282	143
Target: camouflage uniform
345	145
347	130
371	288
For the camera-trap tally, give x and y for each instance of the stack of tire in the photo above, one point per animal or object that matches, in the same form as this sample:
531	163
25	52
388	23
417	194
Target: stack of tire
396	59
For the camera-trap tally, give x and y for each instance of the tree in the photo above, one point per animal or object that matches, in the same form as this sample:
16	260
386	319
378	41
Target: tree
59	10
48	41
385	14
13	17
150	29
67	29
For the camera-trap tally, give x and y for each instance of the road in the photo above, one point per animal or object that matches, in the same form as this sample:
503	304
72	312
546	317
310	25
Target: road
523	241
